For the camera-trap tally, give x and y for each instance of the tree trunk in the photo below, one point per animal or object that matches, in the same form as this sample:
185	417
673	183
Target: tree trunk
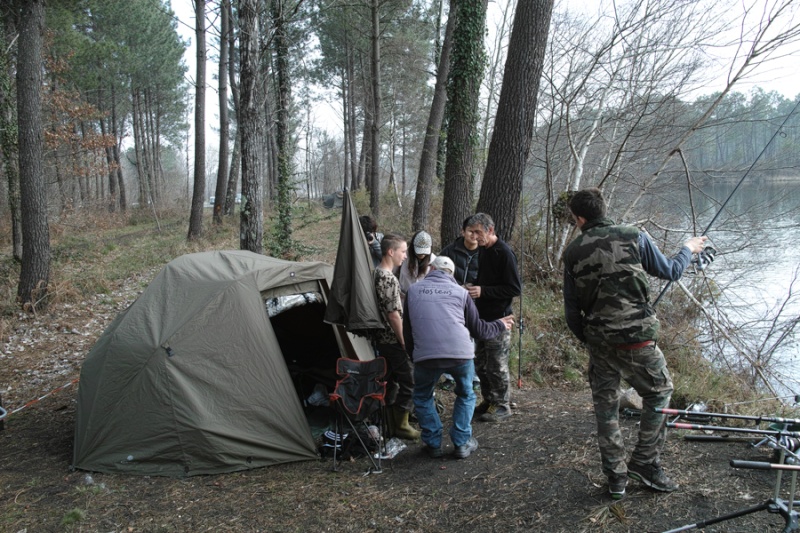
466	73
35	271
9	139
123	201
348	180
366	153
392	149
144	163
251	227
80	161
374	177
430	147
152	150
199	193
158	170
112	182
355	174
137	148
283	230
270	147
495	64
404	160
516	113
233	174
220	196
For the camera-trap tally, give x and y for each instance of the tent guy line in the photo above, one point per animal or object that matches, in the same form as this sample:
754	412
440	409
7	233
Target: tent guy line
40	398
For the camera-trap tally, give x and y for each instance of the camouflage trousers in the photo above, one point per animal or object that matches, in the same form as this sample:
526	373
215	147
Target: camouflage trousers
645	369
491	365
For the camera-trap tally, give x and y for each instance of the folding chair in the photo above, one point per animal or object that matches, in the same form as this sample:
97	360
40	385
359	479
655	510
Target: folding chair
359	401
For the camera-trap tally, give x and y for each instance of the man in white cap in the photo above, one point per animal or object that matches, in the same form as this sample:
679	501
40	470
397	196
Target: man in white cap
438	320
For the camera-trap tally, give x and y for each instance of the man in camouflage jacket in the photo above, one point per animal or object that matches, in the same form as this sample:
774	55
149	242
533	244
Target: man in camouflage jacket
607	307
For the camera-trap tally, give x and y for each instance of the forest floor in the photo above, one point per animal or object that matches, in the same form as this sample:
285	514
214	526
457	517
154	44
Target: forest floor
538	471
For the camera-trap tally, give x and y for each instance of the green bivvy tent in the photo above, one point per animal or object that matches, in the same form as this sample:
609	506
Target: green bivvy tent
206	371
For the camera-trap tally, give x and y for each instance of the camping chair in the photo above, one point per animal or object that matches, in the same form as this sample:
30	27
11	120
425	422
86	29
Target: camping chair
359	402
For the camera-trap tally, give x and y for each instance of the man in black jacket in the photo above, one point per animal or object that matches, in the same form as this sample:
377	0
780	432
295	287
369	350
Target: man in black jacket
494	289
464	253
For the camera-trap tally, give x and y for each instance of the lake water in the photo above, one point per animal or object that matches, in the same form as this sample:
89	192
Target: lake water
756	270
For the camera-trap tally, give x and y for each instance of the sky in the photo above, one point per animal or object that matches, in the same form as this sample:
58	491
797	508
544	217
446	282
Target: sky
780	74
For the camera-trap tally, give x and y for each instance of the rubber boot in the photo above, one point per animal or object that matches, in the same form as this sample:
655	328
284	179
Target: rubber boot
400	426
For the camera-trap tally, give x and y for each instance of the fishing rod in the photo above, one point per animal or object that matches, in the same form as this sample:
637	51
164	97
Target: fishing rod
709	427
782	436
756	419
783	441
778	131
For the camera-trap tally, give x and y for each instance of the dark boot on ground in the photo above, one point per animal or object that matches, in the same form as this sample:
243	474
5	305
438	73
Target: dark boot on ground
390	421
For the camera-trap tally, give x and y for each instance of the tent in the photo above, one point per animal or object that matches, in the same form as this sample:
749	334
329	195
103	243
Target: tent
207	370
353	302
332	200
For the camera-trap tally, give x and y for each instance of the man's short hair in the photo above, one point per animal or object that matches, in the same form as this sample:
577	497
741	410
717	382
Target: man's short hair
588	203
479	218
391	241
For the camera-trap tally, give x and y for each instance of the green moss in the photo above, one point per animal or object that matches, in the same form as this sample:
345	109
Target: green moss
73	517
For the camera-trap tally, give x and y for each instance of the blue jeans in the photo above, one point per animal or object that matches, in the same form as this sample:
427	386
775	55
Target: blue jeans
425	380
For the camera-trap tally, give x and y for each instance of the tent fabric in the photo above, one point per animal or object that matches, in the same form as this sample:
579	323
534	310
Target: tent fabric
353	302
191	378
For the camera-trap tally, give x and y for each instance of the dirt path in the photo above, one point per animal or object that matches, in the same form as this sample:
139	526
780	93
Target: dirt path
539	471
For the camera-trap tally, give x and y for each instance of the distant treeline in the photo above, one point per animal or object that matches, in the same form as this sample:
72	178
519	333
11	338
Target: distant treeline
741	129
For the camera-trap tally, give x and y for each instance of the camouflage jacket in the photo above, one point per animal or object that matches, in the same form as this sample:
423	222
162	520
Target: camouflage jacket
608	285
387	289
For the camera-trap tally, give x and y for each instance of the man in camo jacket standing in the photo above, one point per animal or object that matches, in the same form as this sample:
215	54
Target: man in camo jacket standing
607	307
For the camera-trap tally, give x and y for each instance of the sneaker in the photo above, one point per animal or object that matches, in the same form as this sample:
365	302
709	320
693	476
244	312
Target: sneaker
495	413
480	409
616	486
433	453
463	451
651	475
448	385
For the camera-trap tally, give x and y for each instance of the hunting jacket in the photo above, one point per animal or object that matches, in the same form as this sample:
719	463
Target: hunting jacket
606	290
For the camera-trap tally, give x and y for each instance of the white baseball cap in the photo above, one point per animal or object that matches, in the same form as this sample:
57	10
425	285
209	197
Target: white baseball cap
442	262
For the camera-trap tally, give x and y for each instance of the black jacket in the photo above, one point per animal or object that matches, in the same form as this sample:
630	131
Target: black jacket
466	261
499	281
